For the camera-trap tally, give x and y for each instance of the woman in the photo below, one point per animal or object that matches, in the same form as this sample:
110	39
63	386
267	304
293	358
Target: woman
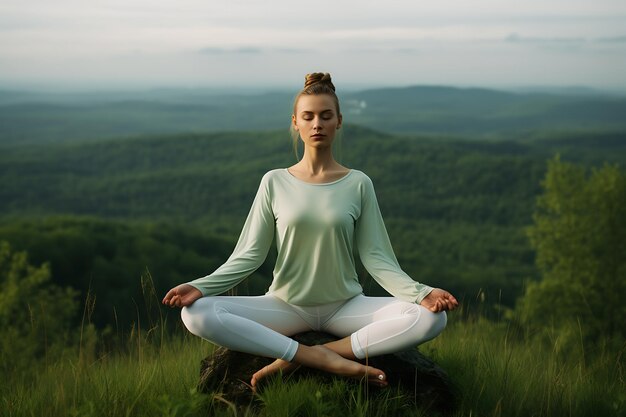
318	211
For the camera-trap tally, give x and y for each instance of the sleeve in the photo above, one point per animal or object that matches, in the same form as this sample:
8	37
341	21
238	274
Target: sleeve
251	248
377	254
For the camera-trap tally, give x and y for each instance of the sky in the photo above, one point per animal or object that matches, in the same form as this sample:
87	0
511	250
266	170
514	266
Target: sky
122	44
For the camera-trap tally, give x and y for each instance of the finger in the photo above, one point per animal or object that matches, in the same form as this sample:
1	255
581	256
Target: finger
452	299
177	301
180	302
173	301
445	301
169	295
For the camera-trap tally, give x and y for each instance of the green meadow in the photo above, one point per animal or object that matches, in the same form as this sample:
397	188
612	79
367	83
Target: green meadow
497	370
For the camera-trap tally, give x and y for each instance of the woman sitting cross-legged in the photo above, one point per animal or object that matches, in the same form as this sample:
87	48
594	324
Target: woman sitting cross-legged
318	211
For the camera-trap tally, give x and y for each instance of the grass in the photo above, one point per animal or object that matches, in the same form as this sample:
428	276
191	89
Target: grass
134	383
497	368
498	372
502	372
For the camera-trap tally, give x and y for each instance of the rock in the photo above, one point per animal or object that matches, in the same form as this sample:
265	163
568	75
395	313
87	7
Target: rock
424	382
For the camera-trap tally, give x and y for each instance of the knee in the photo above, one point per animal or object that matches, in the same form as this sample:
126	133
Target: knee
434	323
200	318
190	319
426	324
187	317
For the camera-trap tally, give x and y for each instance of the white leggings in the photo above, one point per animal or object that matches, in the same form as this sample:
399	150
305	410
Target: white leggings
261	325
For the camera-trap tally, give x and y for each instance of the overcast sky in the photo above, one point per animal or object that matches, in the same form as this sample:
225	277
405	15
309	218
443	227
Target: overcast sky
93	44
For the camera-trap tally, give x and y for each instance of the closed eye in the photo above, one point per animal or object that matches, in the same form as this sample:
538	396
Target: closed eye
326	114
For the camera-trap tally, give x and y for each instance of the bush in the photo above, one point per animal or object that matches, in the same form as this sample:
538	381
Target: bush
35	315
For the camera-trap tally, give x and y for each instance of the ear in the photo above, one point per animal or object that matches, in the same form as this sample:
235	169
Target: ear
293	120
340	118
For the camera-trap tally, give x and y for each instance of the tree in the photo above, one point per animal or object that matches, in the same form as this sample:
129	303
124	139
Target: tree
34	314
579	235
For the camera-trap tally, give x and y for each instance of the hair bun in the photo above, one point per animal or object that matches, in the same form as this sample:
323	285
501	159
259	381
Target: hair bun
318	77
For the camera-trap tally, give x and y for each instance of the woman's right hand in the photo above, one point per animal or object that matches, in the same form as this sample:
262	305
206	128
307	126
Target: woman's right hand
181	296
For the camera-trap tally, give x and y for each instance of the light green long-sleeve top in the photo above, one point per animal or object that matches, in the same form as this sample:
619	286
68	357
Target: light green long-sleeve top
316	227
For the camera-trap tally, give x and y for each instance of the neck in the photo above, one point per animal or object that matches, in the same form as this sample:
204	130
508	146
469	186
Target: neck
317	160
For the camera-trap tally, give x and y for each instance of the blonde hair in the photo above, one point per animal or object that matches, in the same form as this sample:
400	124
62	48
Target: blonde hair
315	84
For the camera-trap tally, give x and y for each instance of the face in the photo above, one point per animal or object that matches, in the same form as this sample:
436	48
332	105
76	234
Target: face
317	120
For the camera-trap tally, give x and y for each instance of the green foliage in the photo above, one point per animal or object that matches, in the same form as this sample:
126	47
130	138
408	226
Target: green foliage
579	235
35	314
209	180
106	259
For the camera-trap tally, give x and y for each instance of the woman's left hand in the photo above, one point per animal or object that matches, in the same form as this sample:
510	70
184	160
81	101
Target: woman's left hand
439	300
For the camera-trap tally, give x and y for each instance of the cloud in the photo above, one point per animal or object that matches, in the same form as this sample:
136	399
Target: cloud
293	50
409	50
554	44
212	50
615	39
515	38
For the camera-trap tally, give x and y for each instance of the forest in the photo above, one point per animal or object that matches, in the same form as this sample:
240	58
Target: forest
520	212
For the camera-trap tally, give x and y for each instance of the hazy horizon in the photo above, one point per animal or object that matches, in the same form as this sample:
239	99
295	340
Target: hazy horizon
90	89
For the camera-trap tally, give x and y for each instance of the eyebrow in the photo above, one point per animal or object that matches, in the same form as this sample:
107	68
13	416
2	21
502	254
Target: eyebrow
310	112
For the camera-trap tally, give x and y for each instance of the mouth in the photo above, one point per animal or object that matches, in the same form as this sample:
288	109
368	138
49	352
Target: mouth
317	136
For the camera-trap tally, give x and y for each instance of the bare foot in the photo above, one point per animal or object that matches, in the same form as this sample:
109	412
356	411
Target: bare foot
272	368
334	363
325	359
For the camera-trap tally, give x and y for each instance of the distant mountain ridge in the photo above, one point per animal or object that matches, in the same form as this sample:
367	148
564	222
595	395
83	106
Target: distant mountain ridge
29	117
